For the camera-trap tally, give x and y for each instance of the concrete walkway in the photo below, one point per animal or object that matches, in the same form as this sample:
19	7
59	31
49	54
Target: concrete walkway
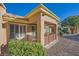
67	46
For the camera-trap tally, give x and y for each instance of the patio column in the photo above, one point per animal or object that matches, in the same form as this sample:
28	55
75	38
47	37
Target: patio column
56	31
40	31
1	35
29	32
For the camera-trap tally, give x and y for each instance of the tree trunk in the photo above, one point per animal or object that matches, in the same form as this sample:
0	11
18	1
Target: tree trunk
72	29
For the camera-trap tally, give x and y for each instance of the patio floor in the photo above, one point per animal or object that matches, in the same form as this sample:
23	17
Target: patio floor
67	46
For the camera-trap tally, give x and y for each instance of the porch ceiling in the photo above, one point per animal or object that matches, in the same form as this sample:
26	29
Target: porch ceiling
48	23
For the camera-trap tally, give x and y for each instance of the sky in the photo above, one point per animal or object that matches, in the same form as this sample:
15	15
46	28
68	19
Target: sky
62	10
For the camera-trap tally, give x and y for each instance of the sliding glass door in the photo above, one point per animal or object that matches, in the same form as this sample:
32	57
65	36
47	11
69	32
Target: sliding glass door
34	32
17	31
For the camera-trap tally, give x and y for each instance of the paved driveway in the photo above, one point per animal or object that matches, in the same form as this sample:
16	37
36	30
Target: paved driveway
67	46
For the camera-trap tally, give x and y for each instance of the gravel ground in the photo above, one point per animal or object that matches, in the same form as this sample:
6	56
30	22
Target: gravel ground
67	46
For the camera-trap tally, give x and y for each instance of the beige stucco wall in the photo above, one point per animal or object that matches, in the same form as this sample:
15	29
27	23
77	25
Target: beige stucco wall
1	30
29	32
5	33
33	21
2	37
34	18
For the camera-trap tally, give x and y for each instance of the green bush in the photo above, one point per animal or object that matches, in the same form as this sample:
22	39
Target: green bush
61	32
65	30
23	48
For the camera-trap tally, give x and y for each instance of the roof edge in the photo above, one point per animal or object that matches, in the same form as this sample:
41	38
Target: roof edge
3	5
49	11
41	5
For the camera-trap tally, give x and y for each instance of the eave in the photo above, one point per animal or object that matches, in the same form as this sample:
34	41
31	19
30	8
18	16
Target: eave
14	20
3	5
38	9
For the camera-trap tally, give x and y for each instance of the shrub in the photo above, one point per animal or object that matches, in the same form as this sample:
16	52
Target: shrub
65	30
61	32
23	48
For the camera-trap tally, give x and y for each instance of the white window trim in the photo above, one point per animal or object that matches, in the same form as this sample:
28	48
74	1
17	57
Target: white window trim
19	30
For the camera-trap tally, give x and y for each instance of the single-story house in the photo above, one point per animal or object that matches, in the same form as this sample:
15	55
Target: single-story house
40	25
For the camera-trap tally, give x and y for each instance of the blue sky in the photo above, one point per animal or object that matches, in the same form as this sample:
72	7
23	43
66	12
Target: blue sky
62	10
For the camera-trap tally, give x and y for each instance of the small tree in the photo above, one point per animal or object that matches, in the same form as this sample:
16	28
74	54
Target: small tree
72	22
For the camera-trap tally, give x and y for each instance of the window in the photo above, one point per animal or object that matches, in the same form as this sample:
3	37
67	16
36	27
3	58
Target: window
48	29
11	31
21	29
17	31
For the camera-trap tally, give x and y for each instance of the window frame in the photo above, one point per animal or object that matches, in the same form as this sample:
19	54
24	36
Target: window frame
19	30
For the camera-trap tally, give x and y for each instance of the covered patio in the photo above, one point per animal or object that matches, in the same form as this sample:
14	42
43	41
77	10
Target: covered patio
42	26
50	33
